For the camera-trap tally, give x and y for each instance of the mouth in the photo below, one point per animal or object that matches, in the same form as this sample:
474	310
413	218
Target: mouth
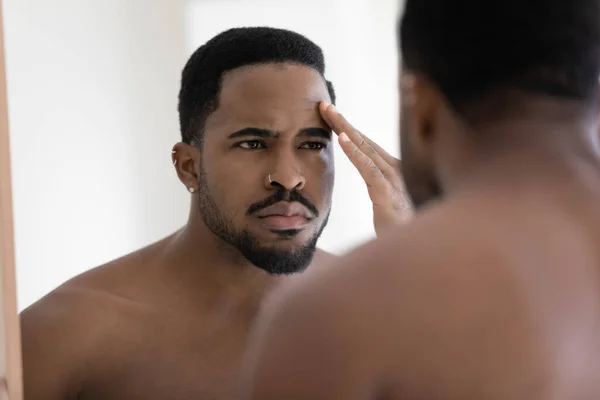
284	223
285	216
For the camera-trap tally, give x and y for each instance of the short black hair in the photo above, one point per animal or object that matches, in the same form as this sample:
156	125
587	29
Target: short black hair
238	47
472	48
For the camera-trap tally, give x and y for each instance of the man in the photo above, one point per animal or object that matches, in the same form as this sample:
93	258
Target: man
493	290
170	321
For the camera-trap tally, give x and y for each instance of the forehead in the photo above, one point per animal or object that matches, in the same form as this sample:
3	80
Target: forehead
277	96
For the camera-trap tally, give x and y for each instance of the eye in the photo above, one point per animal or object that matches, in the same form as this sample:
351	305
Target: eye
252	145
313	146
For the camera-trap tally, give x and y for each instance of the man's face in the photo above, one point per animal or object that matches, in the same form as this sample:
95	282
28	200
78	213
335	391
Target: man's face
267	170
416	123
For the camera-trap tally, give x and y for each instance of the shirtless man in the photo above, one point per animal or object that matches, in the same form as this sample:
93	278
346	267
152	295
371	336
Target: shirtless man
170	321
492	291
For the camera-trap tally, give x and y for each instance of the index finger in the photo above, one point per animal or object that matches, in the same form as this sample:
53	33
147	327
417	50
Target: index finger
339	124
335	120
390	159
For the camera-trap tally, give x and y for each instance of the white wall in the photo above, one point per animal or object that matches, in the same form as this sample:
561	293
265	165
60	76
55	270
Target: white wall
358	39
92	101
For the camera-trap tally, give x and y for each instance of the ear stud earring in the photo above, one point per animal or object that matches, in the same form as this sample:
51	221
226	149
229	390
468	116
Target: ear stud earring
191	189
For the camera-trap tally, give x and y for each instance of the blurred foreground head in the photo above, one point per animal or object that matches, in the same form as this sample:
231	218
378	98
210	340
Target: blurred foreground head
473	67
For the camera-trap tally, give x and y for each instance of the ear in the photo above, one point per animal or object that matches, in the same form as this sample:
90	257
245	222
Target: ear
421	101
186	160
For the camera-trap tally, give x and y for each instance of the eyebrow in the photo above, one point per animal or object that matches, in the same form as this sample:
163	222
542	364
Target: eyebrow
265	133
316	132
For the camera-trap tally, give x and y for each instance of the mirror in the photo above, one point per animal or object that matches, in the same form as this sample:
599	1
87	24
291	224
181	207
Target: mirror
92	97
92	90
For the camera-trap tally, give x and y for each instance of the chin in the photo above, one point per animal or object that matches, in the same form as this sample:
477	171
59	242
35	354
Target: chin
282	258
288	240
280	252
285	244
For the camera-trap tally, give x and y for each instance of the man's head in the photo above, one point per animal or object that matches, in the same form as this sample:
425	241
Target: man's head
472	63
254	146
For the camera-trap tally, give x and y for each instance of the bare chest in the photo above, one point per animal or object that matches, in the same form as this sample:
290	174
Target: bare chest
171	361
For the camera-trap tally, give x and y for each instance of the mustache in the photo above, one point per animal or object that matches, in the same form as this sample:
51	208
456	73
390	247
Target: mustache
283	195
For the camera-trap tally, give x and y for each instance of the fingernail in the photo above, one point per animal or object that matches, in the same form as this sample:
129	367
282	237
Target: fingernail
344	137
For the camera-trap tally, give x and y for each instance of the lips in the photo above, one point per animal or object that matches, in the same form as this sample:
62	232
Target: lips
285	216
283	209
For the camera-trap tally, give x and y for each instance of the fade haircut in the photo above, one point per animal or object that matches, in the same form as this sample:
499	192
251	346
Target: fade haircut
239	47
474	50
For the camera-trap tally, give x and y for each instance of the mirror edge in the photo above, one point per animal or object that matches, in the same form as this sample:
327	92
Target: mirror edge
10	321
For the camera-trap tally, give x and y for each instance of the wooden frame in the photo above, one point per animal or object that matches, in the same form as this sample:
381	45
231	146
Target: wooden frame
10	336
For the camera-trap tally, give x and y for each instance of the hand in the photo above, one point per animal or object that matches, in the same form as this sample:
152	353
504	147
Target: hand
380	171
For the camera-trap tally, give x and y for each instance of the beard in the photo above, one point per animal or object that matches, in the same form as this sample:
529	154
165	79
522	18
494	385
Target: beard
273	261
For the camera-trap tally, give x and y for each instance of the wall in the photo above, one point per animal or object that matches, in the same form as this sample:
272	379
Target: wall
92	88
358	38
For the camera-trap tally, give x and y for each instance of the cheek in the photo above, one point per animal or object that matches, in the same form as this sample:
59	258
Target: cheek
327	161
329	178
223	179
324	173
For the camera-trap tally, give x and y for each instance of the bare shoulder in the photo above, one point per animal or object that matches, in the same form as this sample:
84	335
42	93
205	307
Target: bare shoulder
63	332
322	258
416	309
58	332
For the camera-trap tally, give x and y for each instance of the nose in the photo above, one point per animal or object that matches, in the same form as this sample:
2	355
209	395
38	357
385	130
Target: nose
285	174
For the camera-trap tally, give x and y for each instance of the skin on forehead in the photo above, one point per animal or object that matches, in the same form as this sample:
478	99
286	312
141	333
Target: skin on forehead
281	97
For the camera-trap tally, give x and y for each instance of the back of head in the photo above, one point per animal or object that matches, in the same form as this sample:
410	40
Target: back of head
472	50
488	66
239	47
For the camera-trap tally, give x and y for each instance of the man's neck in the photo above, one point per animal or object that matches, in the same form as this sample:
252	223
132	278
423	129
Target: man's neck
202	261
532	155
